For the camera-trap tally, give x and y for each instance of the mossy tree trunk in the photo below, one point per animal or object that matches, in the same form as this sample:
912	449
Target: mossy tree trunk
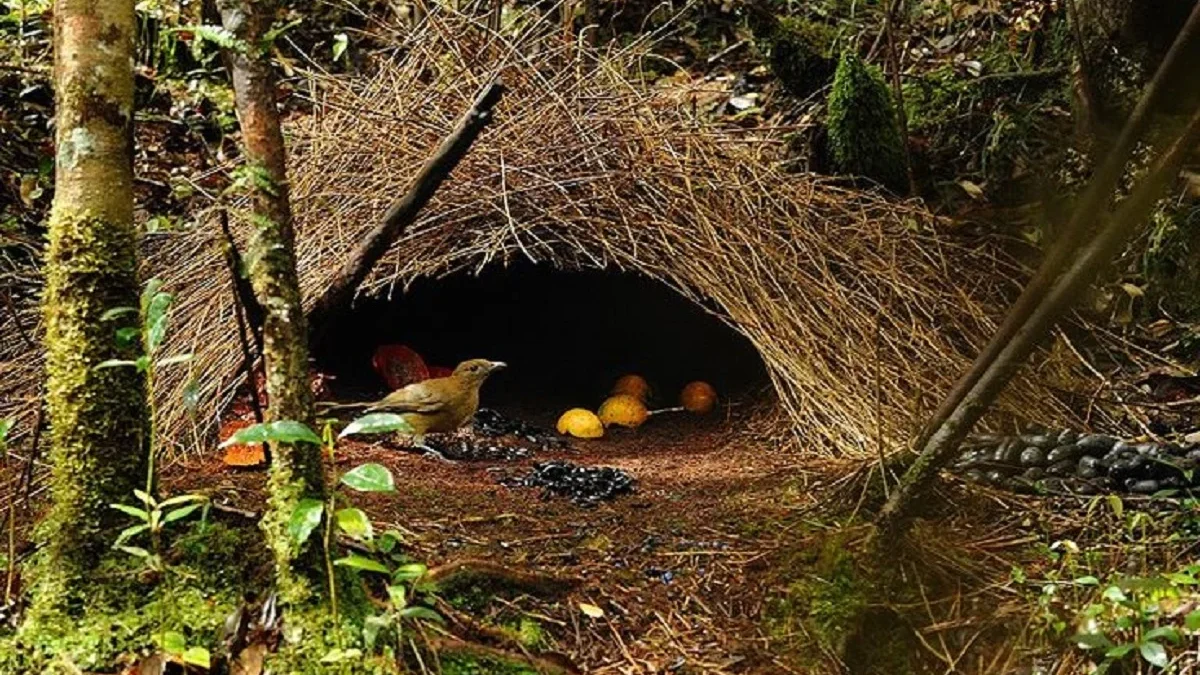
296	471
98	419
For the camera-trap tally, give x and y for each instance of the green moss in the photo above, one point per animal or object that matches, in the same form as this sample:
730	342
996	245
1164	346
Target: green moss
124	616
98	419
863	136
471	665
801	54
835	603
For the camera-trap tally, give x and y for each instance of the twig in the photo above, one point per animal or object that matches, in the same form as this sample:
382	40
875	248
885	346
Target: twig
403	212
241	314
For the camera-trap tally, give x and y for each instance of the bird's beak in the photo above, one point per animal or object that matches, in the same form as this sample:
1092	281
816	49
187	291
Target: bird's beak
498	365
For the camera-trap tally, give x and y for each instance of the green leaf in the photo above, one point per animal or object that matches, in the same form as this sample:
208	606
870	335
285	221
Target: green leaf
1088	581
144	497
180	513
340	42
115	363
152	287
409	571
191	395
116	312
372	626
398	595
419	613
217	35
305	519
388	540
1171	634
135	551
174	643
1120	651
182	499
1181	579
273	34
130	532
369	478
172	360
283	431
1091	640
358	562
127	336
1192	620
1117	506
1114	594
1154	654
142	363
198	656
156	320
354	523
336	655
376	423
134	511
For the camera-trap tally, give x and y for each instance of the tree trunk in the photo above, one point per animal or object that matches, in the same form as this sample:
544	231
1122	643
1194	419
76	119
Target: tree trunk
296	471
98	420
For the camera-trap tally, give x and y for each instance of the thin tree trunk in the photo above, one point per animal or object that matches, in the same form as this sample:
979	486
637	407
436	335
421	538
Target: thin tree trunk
296	471
98	419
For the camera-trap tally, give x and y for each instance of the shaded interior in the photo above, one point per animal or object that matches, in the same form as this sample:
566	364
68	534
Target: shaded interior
565	335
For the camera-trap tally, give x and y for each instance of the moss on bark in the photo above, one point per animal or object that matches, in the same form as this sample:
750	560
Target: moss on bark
863	136
98	421
296	470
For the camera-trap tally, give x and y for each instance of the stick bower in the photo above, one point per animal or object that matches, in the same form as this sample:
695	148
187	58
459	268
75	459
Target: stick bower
862	311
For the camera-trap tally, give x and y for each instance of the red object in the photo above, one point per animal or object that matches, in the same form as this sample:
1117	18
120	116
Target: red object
241	455
399	365
440	371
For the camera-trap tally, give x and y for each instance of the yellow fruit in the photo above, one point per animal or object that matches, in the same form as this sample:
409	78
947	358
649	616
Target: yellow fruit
580	423
623	410
632	385
698	397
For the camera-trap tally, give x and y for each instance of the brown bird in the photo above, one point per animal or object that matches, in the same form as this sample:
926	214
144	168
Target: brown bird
441	404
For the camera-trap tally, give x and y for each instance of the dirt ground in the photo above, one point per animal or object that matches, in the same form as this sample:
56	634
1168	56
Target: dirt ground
679	566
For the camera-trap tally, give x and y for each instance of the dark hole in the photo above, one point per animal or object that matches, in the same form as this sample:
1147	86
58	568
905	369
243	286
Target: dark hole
566	337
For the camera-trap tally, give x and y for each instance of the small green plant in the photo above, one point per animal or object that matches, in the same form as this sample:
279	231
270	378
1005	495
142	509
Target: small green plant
153	517
1139	617
380	554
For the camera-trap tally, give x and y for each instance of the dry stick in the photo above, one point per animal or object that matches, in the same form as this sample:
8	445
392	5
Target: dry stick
1091	204
241	297
403	212
1106	243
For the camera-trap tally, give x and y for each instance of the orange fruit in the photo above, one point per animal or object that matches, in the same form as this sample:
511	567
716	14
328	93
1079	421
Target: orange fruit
698	397
623	410
632	385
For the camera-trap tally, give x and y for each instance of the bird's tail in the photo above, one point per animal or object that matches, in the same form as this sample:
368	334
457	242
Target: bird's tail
324	407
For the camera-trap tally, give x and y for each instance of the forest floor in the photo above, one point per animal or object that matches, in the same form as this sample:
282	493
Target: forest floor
679	567
690	570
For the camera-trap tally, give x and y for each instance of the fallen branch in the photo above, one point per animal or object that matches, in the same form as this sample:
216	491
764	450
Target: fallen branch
481	653
471	570
403	212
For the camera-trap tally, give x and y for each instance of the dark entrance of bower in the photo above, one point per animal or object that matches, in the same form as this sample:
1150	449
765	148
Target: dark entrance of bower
566	336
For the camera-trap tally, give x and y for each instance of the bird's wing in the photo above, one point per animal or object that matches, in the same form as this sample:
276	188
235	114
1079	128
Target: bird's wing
417	397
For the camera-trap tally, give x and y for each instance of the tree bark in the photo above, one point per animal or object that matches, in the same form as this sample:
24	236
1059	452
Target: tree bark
98	417
296	470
